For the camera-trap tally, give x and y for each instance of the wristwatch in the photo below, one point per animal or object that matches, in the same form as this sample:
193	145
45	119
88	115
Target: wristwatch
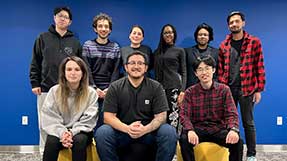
235	129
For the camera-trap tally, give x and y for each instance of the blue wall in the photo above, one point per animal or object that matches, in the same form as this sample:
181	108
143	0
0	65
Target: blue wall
22	21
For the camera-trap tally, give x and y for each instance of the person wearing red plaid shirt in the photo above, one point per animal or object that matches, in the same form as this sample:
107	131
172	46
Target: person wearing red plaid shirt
208	114
241	67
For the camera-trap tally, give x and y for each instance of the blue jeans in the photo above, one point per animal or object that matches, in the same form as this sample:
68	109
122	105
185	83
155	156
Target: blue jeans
108	140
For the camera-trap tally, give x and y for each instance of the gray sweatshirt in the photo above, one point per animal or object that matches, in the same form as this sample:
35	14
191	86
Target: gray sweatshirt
55	122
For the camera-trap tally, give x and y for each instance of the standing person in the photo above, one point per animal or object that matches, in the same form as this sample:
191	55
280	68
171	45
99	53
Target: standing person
208	114
136	37
170	71
202	36
135	111
69	112
103	58
241	67
49	50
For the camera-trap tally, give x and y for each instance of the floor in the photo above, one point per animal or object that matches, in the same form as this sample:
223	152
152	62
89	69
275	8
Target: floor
264	153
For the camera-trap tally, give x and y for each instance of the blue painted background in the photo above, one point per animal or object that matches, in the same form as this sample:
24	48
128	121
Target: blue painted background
22	21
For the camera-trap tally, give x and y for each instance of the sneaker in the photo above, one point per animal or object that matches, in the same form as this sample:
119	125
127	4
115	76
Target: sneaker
252	158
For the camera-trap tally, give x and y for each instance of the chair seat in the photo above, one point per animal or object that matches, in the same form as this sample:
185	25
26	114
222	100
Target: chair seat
208	151
92	155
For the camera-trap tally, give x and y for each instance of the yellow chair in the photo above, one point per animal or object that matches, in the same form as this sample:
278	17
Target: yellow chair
92	155
208	151
178	153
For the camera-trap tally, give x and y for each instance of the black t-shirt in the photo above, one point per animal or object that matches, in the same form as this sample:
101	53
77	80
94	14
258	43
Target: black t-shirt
135	104
234	73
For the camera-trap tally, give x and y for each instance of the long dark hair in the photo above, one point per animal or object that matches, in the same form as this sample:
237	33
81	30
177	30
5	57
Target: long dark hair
162	45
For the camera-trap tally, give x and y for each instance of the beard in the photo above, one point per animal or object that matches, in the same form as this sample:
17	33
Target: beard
135	77
236	31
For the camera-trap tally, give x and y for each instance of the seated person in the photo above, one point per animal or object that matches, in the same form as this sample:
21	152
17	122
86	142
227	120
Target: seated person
135	111
70	112
208	114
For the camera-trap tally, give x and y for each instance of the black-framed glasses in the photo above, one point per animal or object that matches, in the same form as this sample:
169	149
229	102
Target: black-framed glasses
140	63
63	16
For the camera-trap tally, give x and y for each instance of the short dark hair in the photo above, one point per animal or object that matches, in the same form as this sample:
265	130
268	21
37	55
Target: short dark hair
64	8
206	27
102	16
137	26
208	60
137	52
235	13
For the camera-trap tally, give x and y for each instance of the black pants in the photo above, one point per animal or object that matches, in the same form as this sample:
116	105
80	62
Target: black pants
79	148
247	116
236	150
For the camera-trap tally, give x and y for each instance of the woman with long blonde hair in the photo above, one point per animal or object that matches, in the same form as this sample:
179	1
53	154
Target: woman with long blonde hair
70	111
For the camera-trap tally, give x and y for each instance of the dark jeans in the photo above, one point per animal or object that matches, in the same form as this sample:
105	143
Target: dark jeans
247	115
108	140
218	138
100	121
79	148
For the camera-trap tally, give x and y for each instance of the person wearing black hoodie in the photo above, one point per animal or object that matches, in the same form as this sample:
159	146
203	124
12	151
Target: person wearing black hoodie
50	48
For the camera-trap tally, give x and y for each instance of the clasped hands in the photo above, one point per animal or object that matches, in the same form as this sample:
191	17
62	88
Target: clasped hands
136	130
67	139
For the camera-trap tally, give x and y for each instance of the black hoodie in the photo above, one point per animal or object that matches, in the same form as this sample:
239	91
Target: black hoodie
49	50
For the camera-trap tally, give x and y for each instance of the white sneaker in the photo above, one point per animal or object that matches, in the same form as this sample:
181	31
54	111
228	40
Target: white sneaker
252	158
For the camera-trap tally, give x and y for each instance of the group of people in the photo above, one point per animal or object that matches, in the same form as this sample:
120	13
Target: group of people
131	94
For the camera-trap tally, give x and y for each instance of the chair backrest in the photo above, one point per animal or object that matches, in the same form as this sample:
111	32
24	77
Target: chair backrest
208	151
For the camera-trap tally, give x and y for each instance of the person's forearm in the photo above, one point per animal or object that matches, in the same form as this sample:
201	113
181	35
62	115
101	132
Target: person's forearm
113	121
158	120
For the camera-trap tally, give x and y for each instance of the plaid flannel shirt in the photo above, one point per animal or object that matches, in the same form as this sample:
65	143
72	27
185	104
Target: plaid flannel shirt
252	72
211	110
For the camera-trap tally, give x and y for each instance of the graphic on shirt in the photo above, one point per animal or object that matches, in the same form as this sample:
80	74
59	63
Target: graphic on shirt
146	102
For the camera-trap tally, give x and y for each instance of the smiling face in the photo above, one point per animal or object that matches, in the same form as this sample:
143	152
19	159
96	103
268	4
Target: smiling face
73	73
203	37
168	35
236	24
62	20
136	66
136	36
103	28
204	73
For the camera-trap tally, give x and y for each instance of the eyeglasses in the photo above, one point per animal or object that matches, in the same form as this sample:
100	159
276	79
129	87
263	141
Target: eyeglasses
206	69
167	33
133	63
63	16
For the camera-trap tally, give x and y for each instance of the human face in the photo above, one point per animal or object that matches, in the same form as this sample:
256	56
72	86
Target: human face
103	29
168	35
202	37
236	24
136	36
204	73
136	67
73	73
62	20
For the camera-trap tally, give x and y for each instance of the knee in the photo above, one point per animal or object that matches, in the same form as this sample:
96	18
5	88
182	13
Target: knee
249	124
80	141
104	132
168	133
52	141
